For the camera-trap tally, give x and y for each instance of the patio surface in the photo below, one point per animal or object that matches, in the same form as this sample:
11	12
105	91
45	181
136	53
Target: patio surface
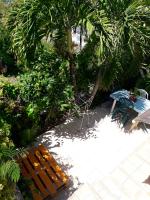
103	161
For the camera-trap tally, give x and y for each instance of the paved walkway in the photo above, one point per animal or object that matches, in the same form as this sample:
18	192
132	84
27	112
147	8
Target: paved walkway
130	180
103	161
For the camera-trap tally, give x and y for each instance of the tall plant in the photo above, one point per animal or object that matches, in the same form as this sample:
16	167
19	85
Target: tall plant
113	29
9	169
32	21
121	29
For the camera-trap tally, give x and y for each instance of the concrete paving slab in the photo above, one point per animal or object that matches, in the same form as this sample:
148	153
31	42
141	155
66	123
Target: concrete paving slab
102	161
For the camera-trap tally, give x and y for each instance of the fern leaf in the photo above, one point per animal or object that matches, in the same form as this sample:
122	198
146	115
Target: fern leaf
11	170
10	152
14	171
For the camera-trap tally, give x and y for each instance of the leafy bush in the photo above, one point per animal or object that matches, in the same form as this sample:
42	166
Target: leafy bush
9	172
47	87
6	54
9	169
36	97
27	104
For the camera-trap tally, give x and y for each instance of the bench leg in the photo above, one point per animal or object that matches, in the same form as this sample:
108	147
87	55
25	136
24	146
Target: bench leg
113	106
145	127
134	125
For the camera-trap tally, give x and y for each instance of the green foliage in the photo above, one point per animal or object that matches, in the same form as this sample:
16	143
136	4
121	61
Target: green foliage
144	83
47	87
44	89
7	189
5	50
9	169
4	128
6	54
117	42
10	90
117	35
31	21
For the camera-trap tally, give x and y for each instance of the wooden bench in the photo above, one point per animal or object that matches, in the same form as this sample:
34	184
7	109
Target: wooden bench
44	173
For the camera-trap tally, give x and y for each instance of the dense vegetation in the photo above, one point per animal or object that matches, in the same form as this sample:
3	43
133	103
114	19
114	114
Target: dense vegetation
44	72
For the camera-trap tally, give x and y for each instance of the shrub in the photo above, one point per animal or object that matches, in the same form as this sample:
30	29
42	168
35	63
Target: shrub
27	104
47	87
37	97
9	169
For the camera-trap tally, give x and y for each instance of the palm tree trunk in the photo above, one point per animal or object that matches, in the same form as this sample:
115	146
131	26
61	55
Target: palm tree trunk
71	60
95	88
81	32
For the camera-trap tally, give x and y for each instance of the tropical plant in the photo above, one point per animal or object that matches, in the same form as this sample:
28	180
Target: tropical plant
122	39
114	29
36	97
32	21
9	169
9	172
117	45
47	87
6	56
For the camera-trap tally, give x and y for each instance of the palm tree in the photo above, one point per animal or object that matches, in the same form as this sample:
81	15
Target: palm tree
113	28
121	29
32	21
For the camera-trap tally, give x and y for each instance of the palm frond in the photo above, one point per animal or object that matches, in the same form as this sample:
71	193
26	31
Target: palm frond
10	152
11	170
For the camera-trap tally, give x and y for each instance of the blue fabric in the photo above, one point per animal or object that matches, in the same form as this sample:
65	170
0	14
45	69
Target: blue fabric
141	104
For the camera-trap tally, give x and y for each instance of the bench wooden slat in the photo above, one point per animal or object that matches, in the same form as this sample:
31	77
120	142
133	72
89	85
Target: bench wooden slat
53	176
32	187
36	194
23	169
45	179
35	177
34	162
53	164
